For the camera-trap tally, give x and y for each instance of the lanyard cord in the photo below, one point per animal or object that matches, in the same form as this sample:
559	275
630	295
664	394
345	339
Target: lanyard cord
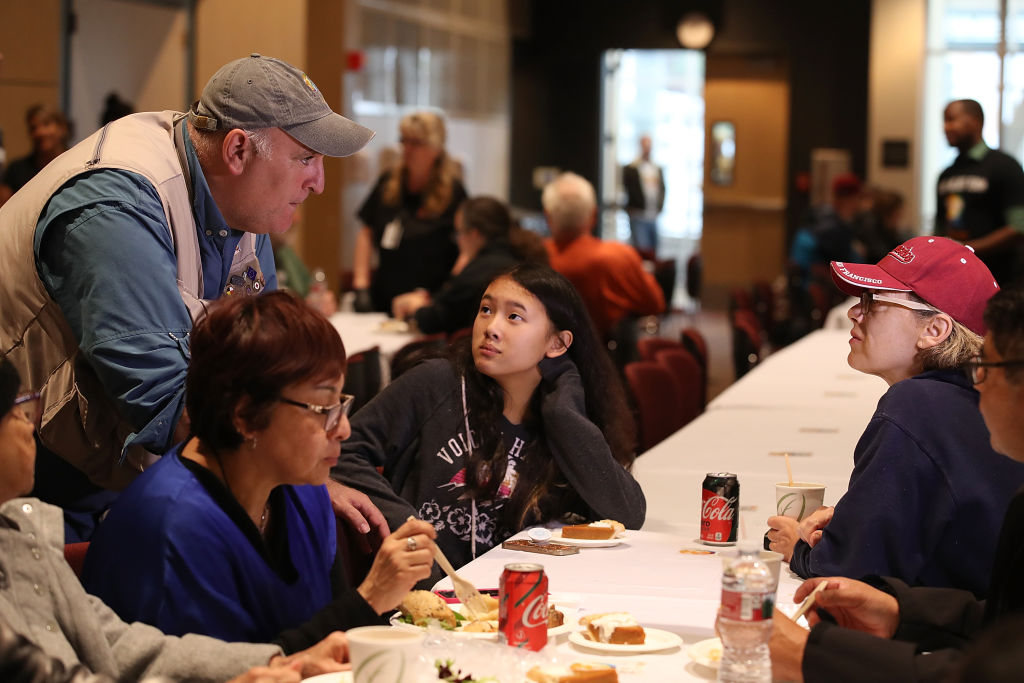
469	443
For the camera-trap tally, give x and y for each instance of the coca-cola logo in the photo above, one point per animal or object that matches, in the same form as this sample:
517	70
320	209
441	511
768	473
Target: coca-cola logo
718	508
536	612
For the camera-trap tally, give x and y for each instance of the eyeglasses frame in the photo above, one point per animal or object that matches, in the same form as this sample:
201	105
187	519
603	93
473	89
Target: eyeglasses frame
338	409
868	297
30	397
976	367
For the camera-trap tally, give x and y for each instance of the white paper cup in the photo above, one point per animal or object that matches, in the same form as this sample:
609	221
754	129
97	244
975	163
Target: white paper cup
382	654
799	500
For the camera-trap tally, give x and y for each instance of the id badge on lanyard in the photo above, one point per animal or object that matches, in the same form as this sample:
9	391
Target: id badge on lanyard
392	236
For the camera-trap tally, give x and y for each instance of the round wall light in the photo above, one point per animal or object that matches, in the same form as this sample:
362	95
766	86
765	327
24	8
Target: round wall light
695	31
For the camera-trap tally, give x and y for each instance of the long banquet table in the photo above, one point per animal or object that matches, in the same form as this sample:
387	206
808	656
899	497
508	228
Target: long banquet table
803	400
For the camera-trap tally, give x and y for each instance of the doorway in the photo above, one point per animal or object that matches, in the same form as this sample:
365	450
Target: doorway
657	93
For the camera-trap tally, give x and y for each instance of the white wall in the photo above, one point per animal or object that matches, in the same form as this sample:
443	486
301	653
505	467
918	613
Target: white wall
136	49
895	94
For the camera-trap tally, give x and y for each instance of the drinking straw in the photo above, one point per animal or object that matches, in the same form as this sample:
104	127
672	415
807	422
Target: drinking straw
789	470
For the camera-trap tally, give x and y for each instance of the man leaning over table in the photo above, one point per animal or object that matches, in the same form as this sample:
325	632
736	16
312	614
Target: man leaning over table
110	253
887	631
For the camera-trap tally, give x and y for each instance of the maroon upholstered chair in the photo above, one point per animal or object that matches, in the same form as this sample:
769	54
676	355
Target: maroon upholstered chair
656	396
689	378
648	347
74	555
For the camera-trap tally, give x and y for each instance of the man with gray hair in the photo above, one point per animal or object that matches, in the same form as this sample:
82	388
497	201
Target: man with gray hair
110	253
610	276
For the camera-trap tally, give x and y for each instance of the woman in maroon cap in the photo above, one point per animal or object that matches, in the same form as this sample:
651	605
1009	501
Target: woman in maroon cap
927	493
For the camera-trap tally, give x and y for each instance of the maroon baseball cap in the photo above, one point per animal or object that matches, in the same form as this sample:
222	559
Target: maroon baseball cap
944	273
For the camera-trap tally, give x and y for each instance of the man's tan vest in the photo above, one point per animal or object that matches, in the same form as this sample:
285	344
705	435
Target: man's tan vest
79	422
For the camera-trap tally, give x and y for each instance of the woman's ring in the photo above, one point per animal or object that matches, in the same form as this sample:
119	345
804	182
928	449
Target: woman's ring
410	543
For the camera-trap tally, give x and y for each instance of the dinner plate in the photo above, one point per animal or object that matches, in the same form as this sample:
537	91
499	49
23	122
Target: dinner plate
655	640
569	625
556	535
706	652
337	677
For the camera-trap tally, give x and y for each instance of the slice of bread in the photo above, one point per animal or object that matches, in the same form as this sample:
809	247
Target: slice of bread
576	672
424	606
616	628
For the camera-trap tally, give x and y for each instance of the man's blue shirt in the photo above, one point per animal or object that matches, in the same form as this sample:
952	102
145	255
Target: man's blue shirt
105	254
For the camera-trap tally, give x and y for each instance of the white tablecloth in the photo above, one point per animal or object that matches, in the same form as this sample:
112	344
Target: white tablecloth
805	400
363	331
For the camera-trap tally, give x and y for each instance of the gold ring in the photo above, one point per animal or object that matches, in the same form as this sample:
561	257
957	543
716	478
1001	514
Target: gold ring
410	543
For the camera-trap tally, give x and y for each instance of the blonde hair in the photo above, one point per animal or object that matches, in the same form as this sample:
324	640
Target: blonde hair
569	201
428	127
952	352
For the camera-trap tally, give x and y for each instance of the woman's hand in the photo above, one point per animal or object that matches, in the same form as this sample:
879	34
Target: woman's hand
399	564
812	525
783	535
359	512
325	657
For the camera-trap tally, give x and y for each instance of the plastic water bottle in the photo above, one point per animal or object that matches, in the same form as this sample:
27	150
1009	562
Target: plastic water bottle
745	619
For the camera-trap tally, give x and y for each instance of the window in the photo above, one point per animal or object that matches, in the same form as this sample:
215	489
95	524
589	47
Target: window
975	50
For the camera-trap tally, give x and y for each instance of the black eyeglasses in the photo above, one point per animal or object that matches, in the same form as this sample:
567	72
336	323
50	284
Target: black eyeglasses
978	367
27	407
333	412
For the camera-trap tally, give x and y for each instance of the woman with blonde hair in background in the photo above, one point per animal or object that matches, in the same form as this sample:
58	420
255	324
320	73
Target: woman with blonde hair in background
409	218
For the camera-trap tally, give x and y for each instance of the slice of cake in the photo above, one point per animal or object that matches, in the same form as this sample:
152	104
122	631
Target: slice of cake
617	628
595	531
577	672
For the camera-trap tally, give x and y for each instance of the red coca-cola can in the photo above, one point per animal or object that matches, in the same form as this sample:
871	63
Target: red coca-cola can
720	508
523	606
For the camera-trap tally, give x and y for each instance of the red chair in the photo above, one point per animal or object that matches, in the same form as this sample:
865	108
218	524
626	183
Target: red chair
694	342
648	347
415	351
458	335
362	377
689	378
74	555
746	342
656	396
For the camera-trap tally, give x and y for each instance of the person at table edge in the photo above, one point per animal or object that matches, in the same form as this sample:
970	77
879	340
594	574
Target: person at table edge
927	491
883	630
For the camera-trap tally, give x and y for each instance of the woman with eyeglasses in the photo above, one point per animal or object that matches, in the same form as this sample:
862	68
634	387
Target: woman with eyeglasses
232	534
409	218
927	494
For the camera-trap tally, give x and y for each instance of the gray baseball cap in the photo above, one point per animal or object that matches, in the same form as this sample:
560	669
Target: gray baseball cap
263	92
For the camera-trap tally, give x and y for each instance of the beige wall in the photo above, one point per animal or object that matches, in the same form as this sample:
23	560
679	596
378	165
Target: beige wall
744	223
30	71
895	93
229	29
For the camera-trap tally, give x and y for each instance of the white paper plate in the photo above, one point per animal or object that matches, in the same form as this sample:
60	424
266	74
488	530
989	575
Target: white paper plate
570	624
655	640
706	652
556	536
339	677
